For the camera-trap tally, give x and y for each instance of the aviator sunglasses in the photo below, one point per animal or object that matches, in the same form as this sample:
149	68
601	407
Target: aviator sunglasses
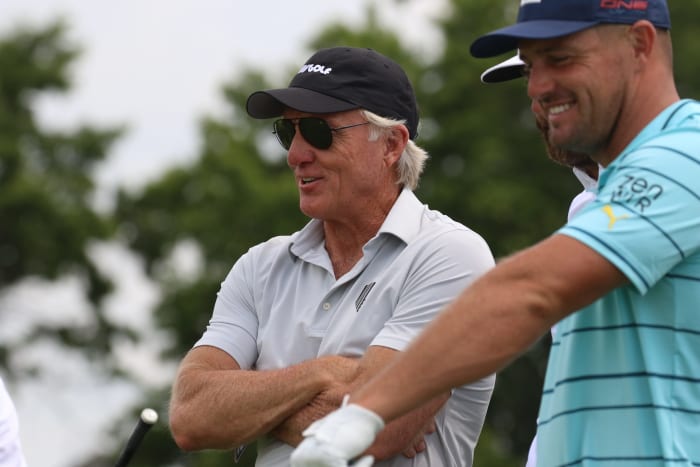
314	130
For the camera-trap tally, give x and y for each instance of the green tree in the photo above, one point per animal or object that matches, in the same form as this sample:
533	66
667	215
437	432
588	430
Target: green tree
46	215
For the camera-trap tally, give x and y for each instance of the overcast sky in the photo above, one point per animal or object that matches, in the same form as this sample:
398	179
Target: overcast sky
156	66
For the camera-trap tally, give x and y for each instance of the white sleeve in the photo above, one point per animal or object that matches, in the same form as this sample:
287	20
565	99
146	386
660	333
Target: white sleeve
233	326
10	446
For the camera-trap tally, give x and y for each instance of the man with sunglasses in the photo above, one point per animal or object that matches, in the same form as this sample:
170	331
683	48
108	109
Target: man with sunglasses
303	319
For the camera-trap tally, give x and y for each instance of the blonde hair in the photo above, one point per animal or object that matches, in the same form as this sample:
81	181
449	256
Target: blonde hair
413	157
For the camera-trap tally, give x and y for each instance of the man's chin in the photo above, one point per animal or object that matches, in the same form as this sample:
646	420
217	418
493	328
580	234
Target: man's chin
571	159
310	210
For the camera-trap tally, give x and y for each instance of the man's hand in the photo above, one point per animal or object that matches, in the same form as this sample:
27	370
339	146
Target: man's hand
341	371
418	444
338	438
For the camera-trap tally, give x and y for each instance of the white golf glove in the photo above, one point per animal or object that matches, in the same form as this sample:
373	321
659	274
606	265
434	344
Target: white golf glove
337	438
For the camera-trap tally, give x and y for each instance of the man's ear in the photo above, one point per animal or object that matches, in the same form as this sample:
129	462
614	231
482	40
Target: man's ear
396	141
642	35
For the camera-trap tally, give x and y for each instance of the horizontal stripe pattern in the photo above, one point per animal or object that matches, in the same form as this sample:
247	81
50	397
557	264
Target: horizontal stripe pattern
622	385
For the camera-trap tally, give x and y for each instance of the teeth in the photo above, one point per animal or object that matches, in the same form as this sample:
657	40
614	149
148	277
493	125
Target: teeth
307	180
559	109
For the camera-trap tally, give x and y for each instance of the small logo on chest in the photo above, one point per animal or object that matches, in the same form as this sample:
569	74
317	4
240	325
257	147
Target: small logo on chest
238	453
363	295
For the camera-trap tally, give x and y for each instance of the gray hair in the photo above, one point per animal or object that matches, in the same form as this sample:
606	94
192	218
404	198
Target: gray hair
412	161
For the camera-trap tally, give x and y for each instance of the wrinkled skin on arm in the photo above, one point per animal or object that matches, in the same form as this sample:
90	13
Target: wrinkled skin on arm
217	405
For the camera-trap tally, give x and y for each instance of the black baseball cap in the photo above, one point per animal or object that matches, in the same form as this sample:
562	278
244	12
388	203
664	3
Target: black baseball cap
337	79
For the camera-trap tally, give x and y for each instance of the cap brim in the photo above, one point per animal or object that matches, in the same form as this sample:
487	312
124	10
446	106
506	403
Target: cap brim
505	71
506	39
271	103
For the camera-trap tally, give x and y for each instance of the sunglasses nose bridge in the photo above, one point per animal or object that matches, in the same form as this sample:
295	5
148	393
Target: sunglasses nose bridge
314	131
299	150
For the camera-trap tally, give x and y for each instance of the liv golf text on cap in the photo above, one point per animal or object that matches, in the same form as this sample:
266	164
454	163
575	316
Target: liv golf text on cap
547	19
339	79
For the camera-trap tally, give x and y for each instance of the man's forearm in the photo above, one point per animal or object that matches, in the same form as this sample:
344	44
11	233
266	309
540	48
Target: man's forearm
216	407
492	322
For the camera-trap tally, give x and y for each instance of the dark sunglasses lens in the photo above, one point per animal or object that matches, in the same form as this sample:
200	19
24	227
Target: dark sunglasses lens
316	132
284	130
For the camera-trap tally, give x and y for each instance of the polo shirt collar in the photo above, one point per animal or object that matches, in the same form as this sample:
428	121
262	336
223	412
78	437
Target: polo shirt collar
403	222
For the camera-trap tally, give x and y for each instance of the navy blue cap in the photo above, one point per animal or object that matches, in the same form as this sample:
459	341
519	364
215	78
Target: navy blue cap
337	79
548	19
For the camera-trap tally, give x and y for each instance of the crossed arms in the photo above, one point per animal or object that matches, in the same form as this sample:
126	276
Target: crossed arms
216	404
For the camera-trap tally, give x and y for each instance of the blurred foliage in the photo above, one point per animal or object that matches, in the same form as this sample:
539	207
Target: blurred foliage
46	215
487	170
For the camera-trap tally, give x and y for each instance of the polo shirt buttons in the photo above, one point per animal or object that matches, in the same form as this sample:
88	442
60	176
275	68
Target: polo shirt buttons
326	306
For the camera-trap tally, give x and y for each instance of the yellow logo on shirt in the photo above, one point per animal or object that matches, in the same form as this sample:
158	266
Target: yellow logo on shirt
613	218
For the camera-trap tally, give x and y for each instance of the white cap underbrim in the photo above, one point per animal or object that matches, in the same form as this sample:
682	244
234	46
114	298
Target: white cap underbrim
504	71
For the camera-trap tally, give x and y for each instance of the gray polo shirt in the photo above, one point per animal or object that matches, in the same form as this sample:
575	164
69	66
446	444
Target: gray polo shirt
281	304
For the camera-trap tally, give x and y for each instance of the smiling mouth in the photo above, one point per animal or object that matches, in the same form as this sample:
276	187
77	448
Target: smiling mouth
306	180
558	109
